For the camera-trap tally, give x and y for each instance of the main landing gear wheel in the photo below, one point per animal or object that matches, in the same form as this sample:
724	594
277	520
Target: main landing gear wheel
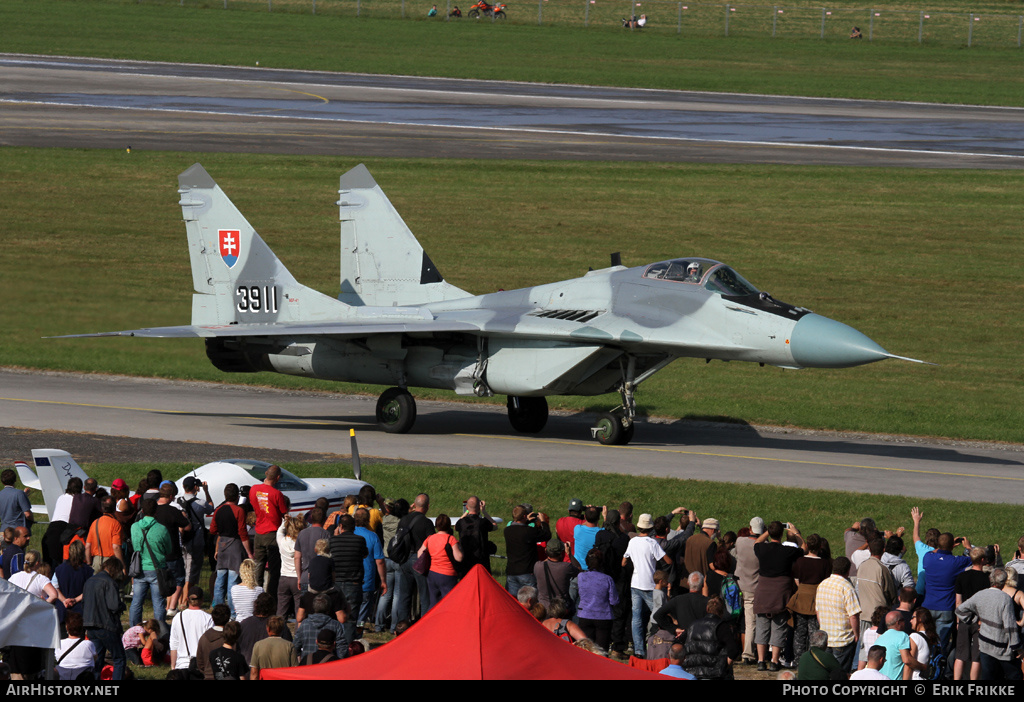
610	430
527	414
396	411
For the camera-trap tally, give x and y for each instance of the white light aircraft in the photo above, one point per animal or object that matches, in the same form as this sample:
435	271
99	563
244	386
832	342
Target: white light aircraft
54	467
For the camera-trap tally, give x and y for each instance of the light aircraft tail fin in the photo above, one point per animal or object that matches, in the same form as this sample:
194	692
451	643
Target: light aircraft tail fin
54	468
382	263
237	278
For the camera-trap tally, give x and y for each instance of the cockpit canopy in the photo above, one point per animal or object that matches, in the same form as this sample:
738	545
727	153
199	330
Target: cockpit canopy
712	275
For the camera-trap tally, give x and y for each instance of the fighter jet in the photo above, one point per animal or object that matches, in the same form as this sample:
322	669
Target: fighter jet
397	322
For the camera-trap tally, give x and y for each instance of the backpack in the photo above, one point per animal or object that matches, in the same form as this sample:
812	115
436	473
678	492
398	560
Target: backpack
732	596
198	525
400	545
562	631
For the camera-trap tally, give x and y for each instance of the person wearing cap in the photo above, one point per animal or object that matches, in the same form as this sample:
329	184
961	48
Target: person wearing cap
701	547
194	541
645	554
124	508
565	525
746	576
325	644
187	627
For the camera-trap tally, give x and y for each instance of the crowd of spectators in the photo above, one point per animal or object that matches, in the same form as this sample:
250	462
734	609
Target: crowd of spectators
301	589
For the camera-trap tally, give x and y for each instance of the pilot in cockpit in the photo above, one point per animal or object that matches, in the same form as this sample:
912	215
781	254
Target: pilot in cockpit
693	274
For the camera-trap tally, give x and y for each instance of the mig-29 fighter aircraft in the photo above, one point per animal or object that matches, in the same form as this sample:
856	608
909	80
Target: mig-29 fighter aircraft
397	322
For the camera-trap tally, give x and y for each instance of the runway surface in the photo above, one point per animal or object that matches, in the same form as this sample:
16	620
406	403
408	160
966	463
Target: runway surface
77	102
262	423
88	103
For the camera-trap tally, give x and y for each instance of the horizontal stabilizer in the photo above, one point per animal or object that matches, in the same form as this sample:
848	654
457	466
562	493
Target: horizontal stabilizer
27	476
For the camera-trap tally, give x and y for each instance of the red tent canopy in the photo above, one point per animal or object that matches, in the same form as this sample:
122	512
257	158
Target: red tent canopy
477	632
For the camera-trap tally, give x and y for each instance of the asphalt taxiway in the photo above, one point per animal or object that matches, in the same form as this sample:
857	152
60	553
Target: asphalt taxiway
261	423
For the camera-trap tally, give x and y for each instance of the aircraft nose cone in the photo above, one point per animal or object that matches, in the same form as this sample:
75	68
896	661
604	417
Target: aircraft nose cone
820	342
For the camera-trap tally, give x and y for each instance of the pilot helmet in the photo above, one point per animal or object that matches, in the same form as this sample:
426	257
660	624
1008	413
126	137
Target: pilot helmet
694	266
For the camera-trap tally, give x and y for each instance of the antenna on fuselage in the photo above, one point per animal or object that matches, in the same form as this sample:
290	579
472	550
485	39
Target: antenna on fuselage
616	259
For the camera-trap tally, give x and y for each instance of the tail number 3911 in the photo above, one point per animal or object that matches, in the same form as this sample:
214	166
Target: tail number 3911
256	298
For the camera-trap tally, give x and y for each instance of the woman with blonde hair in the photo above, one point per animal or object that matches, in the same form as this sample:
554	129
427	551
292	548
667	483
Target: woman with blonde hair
31	579
1016	595
244	595
288	591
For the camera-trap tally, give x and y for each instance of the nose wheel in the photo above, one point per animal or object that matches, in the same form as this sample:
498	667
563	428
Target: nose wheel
613	429
396	411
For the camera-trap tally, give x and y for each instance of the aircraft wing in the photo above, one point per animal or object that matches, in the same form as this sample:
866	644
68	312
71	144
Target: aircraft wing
518	322
340	329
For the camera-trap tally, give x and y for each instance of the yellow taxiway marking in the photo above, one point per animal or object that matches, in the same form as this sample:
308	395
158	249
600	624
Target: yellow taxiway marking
653	449
656	449
164	411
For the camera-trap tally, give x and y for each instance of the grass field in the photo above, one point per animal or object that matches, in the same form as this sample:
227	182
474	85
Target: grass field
924	262
827	513
893	67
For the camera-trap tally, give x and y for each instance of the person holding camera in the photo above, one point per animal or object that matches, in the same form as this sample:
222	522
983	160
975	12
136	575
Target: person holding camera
941	569
528	528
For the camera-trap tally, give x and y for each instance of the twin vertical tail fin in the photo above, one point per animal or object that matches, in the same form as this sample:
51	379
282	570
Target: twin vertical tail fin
236	277
382	263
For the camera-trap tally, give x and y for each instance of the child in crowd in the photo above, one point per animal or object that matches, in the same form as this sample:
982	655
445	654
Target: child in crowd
226	662
145	639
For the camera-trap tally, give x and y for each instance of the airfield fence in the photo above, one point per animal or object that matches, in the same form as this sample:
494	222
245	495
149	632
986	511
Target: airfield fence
693	19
